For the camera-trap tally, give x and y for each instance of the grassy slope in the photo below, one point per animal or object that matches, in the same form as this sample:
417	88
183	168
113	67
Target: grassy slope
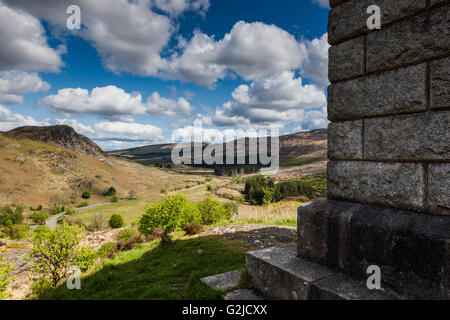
35	180
155	271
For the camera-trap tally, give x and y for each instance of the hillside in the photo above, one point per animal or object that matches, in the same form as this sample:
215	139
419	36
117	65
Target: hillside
63	136
37	172
295	149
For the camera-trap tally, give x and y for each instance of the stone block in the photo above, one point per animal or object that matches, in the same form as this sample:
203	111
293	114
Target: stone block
346	60
411	249
417	137
279	274
393	92
400	185
439	188
345	140
410	41
440	83
223	281
438	2
349	20
343	287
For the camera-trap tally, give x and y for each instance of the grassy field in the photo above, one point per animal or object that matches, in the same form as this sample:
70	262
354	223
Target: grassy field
278	214
155	271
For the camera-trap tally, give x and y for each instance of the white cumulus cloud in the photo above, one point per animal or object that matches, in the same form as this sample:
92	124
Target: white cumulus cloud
14	85
23	44
112	103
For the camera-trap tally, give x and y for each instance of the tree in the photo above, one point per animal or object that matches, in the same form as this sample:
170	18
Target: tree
116	221
86	194
54	251
6	270
111	191
212	211
172	214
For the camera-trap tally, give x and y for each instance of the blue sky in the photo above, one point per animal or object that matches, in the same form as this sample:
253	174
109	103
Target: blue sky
140	72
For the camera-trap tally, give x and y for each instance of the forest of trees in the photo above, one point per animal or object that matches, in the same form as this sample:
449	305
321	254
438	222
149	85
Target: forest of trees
260	190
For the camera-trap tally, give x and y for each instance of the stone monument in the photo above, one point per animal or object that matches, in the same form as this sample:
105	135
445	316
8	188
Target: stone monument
388	204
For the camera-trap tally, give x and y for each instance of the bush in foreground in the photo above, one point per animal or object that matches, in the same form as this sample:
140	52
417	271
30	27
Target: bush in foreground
6	270
212	211
172	214
127	239
116	221
54	251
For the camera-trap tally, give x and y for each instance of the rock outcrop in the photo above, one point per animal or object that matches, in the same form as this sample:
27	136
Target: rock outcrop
64	136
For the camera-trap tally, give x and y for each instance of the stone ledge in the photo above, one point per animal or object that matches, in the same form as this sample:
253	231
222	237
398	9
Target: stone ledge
223	281
279	274
412	249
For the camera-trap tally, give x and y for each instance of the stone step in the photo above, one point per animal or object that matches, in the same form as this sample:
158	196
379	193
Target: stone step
224	281
277	273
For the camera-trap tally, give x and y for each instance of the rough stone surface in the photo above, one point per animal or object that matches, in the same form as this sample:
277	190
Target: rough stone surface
438	2
345	140
412	249
350	19
346	60
439	188
416	137
242	295
334	3
400	185
342	287
392	92
223	281
410	41
440	83
279	274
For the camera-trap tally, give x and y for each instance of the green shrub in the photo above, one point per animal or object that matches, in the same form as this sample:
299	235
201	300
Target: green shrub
83	204
16	232
70	211
54	251
114	199
208	188
127	239
9	217
56	210
41	229
86	194
6	270
163	191
172	214
116	221
39	208
85	258
212	211
107	250
111	191
39	217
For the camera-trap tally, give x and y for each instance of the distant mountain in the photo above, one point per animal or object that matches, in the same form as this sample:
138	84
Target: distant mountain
297	148
62	135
